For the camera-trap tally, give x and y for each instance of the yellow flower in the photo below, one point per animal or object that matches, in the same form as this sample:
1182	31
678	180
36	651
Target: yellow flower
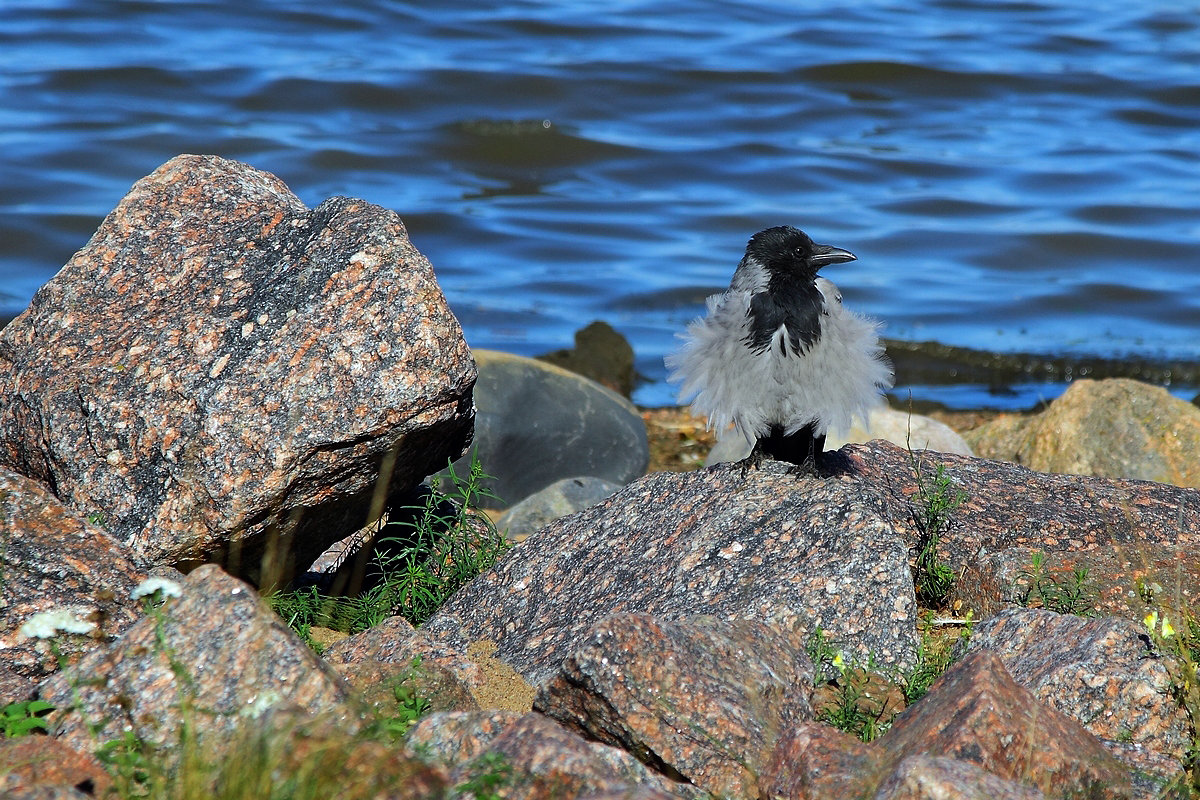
1167	630
839	662
1151	621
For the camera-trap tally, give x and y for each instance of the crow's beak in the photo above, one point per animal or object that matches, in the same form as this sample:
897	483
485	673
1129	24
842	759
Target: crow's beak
824	254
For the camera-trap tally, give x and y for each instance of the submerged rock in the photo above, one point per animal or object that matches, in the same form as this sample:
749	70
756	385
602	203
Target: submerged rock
601	354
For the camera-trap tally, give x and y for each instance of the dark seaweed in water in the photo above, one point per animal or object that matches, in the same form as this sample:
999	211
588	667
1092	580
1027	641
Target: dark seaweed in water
935	364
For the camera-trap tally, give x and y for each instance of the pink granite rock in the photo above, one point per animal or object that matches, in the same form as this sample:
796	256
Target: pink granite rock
222	370
699	697
51	560
977	713
213	660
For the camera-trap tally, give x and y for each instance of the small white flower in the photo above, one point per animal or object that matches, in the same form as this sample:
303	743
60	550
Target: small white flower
168	587
47	624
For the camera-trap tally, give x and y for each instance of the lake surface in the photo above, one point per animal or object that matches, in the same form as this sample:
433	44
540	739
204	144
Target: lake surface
1017	178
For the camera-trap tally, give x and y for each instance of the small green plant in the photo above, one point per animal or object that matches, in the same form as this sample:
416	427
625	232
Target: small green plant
433	550
858	703
395	721
854	699
489	773
24	718
1175	633
937	499
862	701
1076	594
935	653
130	762
443	545
825	657
304	609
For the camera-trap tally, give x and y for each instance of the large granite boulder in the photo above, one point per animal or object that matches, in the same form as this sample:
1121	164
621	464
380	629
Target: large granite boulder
1114	428
800	553
220	368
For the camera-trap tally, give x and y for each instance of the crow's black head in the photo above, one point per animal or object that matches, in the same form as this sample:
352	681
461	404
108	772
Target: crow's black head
791	300
788	252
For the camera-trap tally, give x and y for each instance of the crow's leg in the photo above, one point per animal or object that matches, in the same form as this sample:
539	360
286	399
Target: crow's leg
802	448
754	460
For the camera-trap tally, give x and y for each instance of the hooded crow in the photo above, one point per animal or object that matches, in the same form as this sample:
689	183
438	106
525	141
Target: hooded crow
778	356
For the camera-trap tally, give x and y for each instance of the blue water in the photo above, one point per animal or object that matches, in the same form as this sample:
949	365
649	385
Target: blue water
1014	176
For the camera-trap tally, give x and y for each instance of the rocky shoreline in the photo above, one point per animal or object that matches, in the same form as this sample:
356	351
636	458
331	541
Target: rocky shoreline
224	384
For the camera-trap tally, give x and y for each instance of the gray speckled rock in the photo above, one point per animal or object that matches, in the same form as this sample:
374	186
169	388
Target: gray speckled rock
536	424
977	713
557	500
765	545
220	367
1007	505
928	777
708	698
543	760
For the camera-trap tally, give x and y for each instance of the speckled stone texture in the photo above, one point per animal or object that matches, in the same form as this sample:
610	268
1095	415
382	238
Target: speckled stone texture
51	559
995	581
764	545
16	688
221	368
1008	505
395	641
47	793
1097	671
698	697
936	778
234	660
30	762
976	712
545	761
814	761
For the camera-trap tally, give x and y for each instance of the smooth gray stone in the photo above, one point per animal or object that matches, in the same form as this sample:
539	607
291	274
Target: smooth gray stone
536	424
559	499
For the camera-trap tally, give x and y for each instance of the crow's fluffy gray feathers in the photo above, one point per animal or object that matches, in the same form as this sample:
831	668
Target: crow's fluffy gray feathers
746	366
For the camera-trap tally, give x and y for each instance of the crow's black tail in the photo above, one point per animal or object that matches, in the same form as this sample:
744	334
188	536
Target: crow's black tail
800	448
